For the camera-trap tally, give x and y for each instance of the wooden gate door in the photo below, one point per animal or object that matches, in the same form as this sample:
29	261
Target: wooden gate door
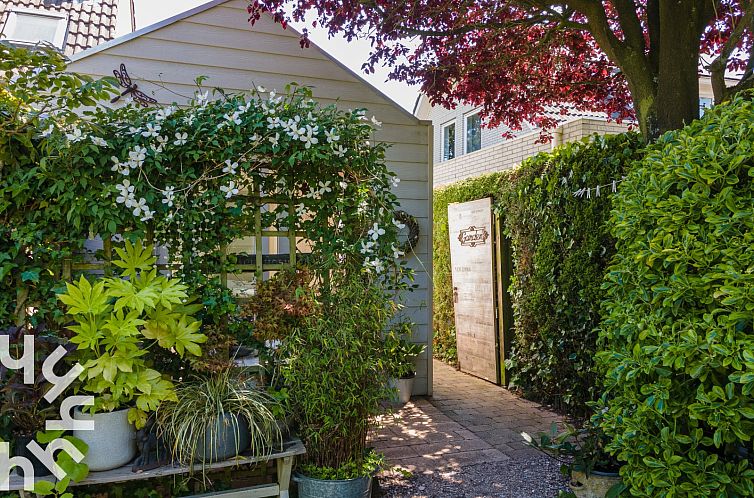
471	256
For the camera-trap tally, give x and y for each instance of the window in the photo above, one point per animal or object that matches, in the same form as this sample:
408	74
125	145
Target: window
28	27
473	133
448	141
704	104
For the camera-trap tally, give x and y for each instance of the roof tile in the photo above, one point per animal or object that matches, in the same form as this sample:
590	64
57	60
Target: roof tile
90	22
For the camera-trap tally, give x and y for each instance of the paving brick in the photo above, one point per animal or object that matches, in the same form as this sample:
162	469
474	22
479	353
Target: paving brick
468	421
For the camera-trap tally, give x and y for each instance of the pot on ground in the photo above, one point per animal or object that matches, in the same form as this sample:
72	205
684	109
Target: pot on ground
112	443
308	487
404	386
596	485
40	469
229	437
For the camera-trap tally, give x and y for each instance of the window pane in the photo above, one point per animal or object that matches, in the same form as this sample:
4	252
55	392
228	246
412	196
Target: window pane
449	142
473	133
32	28
704	104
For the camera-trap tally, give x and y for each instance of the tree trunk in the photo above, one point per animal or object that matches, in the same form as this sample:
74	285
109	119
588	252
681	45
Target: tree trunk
677	102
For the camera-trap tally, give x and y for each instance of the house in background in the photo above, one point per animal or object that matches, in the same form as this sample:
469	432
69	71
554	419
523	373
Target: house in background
216	40
70	26
464	148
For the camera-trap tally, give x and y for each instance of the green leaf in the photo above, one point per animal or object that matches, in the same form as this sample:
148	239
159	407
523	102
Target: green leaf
134	259
83	298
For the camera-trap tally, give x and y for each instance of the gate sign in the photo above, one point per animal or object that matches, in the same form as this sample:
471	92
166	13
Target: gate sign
471	257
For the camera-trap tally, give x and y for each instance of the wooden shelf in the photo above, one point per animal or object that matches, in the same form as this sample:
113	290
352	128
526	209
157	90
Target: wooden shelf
291	448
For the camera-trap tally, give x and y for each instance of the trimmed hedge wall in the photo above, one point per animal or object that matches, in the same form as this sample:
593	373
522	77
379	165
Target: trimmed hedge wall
679	313
561	248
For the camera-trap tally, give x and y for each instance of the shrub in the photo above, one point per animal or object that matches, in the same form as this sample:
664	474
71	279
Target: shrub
677	329
336	374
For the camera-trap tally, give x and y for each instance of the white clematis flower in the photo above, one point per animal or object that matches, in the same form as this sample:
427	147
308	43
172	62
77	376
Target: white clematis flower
100	142
180	138
230	189
230	167
332	135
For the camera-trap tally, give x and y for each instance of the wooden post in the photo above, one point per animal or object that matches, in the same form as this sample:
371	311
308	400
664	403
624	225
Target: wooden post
258	235
291	235
284	475
107	248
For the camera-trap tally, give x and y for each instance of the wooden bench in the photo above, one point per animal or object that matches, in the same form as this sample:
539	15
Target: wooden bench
284	460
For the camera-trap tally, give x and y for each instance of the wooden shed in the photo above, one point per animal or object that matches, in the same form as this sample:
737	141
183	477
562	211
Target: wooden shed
216	40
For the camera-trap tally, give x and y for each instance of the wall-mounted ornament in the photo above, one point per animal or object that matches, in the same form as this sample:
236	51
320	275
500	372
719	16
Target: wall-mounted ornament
131	88
409	234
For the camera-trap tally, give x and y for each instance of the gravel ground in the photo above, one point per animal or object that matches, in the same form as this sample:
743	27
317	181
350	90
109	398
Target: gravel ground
528	477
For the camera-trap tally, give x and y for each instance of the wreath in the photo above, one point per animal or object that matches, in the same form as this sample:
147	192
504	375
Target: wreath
413	230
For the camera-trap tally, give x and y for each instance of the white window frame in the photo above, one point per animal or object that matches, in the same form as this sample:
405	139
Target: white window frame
466	132
60	33
442	140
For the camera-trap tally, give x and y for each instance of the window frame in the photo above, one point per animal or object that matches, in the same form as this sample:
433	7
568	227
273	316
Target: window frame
466	131
442	138
11	25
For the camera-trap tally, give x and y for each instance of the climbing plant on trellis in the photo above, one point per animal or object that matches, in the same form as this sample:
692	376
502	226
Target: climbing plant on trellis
196	178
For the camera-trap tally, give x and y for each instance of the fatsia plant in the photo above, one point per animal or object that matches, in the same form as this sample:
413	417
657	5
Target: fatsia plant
117	321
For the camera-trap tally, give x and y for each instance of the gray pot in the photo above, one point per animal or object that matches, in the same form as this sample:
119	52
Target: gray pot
112	443
228	438
595	486
308	487
405	388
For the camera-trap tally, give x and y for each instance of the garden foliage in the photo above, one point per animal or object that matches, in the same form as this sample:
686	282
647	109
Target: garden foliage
561	247
183	176
677	331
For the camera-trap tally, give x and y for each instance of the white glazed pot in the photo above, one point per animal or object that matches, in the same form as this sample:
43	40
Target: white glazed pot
595	486
405	388
112	443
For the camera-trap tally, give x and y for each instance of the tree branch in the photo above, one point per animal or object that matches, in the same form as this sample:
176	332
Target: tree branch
718	66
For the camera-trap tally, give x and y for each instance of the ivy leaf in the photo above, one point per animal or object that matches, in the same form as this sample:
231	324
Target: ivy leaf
31	275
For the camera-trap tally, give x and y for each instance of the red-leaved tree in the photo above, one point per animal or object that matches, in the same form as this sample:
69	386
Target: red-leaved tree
629	58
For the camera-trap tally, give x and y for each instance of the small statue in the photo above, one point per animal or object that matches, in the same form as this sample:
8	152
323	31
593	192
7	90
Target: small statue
153	452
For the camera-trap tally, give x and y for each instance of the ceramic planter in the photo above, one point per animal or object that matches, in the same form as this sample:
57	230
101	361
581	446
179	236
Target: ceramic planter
308	487
595	486
229	437
112	443
404	386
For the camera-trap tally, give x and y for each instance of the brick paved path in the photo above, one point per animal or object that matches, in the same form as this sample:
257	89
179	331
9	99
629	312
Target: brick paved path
466	422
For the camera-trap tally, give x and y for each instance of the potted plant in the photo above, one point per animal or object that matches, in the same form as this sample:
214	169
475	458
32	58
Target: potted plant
592	471
116	322
24	404
333	368
218	416
402	354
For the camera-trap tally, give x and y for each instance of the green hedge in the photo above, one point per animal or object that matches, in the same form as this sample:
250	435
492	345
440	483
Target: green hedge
678	315
561	249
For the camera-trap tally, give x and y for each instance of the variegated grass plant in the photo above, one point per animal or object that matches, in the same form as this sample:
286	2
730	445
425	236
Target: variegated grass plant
202	401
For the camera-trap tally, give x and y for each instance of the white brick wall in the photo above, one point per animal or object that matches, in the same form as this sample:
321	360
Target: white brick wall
508	155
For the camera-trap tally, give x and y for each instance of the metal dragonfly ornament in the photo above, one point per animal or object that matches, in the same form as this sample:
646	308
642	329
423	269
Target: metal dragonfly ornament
131	88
